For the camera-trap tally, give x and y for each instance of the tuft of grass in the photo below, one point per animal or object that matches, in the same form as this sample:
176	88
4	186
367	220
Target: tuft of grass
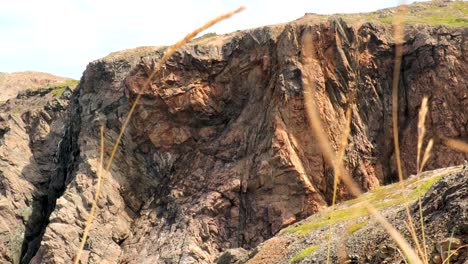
68	83
59	88
424	187
304	253
355	227
58	92
203	37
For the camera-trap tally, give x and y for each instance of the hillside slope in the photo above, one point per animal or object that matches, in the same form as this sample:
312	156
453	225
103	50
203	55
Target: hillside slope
12	83
357	238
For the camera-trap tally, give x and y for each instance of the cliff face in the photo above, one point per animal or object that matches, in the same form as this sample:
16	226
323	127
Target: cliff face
219	153
34	128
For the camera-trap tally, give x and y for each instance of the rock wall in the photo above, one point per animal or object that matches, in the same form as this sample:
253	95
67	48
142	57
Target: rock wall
219	153
32	132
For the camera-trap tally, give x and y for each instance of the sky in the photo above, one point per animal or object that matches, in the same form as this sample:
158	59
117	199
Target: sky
62	36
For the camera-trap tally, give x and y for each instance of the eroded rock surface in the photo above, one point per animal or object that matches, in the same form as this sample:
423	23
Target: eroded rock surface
32	133
219	153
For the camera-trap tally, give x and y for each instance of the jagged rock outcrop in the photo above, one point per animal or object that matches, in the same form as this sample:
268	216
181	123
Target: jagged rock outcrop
219	153
32	132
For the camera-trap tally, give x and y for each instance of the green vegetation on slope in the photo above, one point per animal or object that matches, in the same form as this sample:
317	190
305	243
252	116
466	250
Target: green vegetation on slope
381	198
59	88
58	91
356	226
452	14
68	83
203	37
304	253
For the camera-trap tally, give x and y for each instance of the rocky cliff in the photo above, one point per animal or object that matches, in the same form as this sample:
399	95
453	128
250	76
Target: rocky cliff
33	139
219	153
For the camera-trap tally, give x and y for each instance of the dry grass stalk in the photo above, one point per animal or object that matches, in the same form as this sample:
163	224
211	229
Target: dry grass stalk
427	153
398	27
411	229
96	198
325	146
163	60
398	33
456	144
337	172
421	131
420	166
447	260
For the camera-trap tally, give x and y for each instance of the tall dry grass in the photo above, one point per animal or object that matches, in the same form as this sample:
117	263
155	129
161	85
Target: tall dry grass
96	198
398	34
414	255
331	157
456	144
334	159
145	86
337	171
420	167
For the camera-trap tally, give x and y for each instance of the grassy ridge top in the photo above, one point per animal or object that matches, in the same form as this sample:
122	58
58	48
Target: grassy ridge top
451	14
12	83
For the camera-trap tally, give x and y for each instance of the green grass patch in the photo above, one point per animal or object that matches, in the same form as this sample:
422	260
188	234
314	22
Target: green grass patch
355	227
380	198
454	14
422	188
203	37
451	14
59	88
68	83
304	253
326	218
58	92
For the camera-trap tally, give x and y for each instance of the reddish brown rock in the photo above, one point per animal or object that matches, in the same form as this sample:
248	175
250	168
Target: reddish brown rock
219	153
